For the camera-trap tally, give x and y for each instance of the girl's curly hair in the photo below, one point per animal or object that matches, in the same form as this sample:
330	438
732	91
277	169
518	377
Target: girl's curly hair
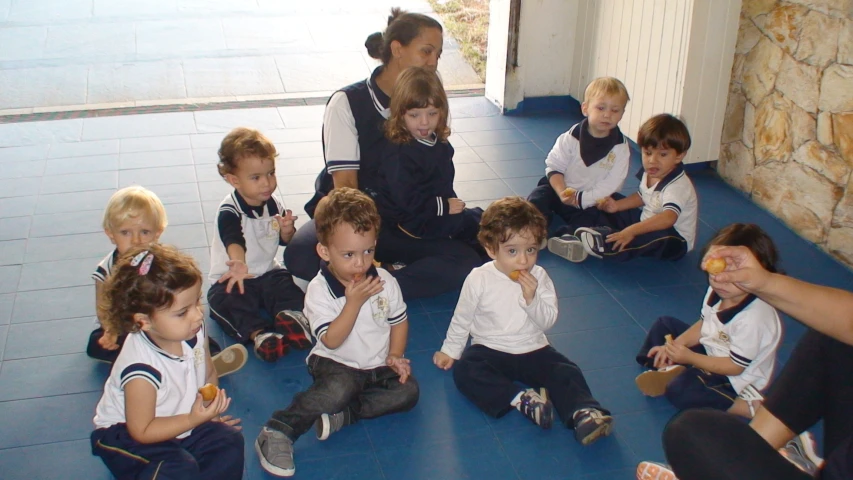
128	292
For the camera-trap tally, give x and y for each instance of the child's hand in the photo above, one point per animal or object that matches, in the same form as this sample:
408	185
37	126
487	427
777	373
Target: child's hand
608	205
528	285
401	365
442	360
456	206
237	272
571	199
659	356
359	291
228	420
108	341
620	239
286	225
200	413
678	353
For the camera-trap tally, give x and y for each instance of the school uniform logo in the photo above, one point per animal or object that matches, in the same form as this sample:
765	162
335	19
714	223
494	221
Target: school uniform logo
608	162
655	202
198	356
381	308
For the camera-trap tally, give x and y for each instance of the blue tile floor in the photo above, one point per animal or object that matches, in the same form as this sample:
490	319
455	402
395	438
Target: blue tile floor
58	175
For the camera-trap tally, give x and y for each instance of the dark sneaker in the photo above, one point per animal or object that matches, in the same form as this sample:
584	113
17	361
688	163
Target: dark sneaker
275	451
568	247
536	406
593	239
653	383
591	424
294	327
270	346
802	452
654	471
327	424
230	360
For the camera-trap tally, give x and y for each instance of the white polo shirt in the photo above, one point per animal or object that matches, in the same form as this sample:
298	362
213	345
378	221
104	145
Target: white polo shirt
493	311
675	193
748	333
368	343
176	378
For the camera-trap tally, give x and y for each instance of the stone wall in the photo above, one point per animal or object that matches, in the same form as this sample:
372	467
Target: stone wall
788	134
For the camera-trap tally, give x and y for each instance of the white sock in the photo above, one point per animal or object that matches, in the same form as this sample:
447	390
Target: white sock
517	400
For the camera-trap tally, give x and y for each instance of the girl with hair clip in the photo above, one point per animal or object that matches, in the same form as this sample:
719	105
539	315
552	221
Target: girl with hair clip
353	139
415	193
153	420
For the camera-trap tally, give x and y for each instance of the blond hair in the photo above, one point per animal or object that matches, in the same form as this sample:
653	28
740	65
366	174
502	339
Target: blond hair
134	202
605	87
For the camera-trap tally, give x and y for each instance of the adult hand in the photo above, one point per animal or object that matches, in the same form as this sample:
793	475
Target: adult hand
742	268
456	206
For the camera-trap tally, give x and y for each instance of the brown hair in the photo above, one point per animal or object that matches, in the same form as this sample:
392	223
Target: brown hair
240	143
507	217
133	202
664	131
402	27
605	86
345	205
127	292
750	236
416	87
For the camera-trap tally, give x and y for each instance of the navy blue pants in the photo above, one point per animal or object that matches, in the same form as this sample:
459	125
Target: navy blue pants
239	313
546	200
661	244
487	377
695	388
214	451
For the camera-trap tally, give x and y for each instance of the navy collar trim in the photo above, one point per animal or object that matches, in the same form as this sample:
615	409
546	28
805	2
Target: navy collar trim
593	149
191	342
433	139
726	316
252	211
336	288
381	102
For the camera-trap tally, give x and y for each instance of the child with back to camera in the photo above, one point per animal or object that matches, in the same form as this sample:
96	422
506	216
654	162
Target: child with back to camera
507	305
415	191
250	226
359	317
152	421
588	163
729	352
659	220
135	216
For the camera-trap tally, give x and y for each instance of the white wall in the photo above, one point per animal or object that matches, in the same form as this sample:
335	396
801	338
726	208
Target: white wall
674	56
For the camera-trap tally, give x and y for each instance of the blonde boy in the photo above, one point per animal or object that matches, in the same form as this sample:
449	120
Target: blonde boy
590	161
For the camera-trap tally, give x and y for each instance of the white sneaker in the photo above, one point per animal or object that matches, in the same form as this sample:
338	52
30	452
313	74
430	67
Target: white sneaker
569	247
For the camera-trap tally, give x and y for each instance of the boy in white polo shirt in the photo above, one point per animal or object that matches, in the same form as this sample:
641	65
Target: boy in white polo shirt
659	220
507	305
358	316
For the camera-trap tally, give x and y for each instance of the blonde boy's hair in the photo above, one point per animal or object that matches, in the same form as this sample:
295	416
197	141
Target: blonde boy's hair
132	202
605	86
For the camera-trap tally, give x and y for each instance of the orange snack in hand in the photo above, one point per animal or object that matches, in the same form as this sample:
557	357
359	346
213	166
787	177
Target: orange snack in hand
357	277
569	191
714	265
208	392
513	275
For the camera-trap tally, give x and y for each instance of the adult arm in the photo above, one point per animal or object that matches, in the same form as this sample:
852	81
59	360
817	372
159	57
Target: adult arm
340	142
825	309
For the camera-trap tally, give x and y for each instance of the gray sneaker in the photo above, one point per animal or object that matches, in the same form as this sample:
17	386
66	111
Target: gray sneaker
275	451
591	424
569	247
329	424
802	452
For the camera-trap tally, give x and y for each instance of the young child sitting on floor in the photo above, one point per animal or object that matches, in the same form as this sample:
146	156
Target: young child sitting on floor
729	351
507	305
152	421
135	216
658	221
590	161
359	318
249	229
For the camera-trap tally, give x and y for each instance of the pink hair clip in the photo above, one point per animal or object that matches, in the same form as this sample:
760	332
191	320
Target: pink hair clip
143	259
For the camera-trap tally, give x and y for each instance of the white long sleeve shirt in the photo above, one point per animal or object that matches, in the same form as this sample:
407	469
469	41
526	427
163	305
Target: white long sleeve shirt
493	312
593	182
